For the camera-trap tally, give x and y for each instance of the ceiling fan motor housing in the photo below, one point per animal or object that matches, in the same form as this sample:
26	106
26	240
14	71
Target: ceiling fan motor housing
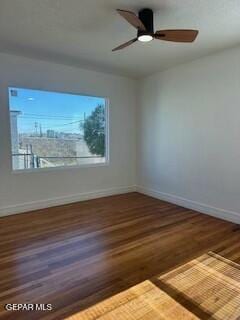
146	16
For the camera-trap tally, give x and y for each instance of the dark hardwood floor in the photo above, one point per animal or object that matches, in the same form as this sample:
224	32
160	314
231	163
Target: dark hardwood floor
76	255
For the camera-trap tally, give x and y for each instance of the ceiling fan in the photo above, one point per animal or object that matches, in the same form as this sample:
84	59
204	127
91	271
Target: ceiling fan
144	24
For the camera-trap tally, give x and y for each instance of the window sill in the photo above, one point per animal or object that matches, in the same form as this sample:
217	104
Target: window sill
63	168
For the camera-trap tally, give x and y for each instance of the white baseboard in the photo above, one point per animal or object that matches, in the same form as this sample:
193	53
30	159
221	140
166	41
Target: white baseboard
197	206
189	204
36	205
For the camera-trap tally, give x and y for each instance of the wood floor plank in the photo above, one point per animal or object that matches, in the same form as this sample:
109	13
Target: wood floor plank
76	255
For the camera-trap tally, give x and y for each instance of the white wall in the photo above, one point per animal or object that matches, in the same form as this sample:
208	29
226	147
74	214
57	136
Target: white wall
24	191
189	135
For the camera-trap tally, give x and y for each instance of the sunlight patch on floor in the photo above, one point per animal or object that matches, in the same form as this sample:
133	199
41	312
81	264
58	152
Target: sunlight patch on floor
208	286
210	282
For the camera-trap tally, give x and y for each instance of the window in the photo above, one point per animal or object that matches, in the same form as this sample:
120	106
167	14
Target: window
50	129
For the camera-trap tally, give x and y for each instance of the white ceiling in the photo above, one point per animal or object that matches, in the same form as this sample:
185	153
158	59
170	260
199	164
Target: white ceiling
83	32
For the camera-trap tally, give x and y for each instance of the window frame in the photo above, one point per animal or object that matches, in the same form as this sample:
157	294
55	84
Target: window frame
70	167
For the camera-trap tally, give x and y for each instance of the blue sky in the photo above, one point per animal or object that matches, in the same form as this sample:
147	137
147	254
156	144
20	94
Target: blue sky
51	110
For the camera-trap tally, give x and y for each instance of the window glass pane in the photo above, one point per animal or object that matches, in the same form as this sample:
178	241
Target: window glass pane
50	129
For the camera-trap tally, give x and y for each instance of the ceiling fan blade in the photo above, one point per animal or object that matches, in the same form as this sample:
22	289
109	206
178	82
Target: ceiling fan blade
124	45
184	35
132	19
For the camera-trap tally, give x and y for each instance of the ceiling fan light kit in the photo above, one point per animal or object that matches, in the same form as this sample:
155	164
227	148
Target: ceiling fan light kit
145	38
145	29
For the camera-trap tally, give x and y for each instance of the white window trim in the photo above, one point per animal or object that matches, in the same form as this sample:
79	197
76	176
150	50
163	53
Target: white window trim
64	168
